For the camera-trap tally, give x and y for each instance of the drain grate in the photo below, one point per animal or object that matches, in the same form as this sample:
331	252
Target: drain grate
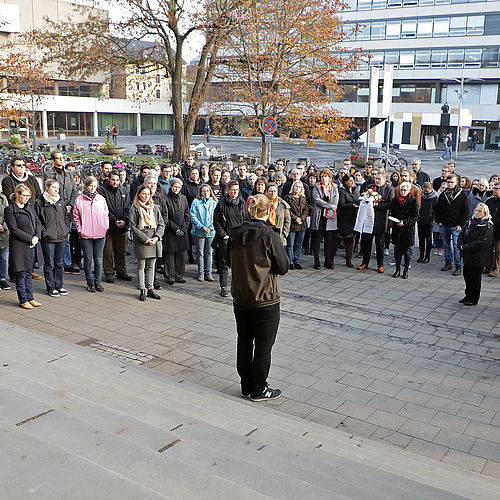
119	352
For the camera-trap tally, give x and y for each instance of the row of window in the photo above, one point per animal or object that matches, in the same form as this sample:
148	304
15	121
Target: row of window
425	28
436	58
388	4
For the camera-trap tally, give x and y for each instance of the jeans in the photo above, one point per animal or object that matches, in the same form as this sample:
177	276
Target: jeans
447	151
92	252
68	261
53	268
204	254
4	252
449	236
24	286
294	246
146	273
257	328
424	239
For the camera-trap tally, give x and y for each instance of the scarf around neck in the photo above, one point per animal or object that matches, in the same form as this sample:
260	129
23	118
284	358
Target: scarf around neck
51	200
272	211
146	214
20	179
89	195
403	199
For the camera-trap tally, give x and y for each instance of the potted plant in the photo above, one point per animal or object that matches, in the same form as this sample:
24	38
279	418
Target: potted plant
108	148
14	141
61	136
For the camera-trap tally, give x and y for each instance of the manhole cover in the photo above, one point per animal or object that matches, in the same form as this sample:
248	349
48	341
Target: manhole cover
119	352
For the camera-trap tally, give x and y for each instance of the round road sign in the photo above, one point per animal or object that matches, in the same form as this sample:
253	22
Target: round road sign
269	125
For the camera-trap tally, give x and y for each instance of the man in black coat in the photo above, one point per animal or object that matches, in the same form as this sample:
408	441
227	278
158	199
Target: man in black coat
115	248
190	190
295	175
421	176
229	212
19	174
452	211
138	181
67	188
493	204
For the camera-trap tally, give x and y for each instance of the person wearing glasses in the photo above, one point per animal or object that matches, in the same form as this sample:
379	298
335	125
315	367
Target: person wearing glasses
421	177
25	231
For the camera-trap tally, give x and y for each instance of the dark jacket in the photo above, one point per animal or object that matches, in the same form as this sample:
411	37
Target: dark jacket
422	177
436	183
382	208
67	188
452	208
299	209
178	218
347	212
4	235
118	205
307	191
23	224
494	206
161	202
228	214
190	190
9	184
428	208
219	190
53	219
404	236
134	186
475	243
257	258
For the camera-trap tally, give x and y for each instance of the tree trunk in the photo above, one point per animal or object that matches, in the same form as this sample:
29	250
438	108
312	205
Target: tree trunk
265	152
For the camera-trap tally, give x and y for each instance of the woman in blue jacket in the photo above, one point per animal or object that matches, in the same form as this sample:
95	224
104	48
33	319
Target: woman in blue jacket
202	221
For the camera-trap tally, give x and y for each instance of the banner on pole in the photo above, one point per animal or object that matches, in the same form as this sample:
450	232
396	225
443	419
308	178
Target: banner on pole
387	93
374	77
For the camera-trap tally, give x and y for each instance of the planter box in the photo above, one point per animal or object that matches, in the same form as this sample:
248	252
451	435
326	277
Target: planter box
10	145
111	151
61	137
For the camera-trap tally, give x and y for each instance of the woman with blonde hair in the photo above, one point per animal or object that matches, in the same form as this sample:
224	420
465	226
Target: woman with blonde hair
299	210
25	231
147	226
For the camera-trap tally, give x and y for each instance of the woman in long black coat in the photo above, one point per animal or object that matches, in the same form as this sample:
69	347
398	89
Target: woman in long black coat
405	210
474	242
176	233
24	233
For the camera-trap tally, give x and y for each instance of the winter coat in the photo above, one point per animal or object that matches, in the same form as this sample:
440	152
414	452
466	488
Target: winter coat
161	201
382	208
283	220
178	218
190	190
165	184
53	219
347	212
23	224
452	208
475	243
415	191
4	235
404	236
257	258
320	205
228	214
141	250
475	198
494	206
118	206
137	181
9	184
437	182
299	209
422	177
67	189
202	215
288	186
428	208
91	217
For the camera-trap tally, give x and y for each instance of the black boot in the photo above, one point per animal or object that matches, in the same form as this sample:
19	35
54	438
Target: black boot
142	296
421	258
317	265
405	273
152	294
397	272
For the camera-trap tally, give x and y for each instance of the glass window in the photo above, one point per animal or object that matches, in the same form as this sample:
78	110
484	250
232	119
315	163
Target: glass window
425	2
423	94
347	29
407	59
377	59
475	25
492	24
459	1
378	31
378	4
455	58
438	58
392	58
351	4
393	29
364	32
407	93
423	59
364	4
490	58
410	3
472	58
394	3
441	2
458	26
424	28
441	26
363	94
408	28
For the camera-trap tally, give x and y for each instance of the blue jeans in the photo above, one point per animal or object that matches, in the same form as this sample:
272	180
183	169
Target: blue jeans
204	254
53	268
3	263
68	262
294	246
92	252
24	286
447	151
449	236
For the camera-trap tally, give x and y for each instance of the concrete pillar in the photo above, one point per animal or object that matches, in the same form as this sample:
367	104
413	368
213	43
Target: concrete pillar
139	125
95	124
45	125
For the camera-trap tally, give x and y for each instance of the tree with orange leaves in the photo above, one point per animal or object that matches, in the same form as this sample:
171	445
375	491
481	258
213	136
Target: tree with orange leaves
283	60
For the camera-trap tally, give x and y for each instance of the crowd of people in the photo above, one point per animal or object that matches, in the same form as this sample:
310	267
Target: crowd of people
177	212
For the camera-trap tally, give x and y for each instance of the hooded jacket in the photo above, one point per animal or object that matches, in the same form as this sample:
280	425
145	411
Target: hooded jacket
53	218
91	216
257	258
428	208
228	214
202	215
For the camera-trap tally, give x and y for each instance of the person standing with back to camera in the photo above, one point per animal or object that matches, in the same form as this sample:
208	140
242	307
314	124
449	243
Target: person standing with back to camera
257	257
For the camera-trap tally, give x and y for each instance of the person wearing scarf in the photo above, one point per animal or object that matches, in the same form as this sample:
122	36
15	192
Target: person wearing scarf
475	244
426	222
404	213
91	216
147	227
55	229
19	174
279	212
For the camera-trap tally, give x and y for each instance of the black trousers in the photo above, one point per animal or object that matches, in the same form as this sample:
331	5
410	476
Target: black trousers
256	328
329	237
366	247
425	239
402	252
472	278
220	256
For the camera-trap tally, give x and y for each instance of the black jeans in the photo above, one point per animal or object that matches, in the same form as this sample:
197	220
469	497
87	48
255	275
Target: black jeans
256	328
329	237
425	239
220	256
366	247
472	278
402	252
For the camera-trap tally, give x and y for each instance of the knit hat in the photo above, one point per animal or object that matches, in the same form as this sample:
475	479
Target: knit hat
175	180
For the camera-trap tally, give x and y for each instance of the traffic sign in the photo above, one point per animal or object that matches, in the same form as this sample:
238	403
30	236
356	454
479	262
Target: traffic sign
268	139
269	125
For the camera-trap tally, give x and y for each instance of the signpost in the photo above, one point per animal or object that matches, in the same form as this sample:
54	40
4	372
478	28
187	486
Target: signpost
269	126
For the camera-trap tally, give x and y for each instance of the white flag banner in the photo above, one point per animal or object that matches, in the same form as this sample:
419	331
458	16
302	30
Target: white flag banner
374	77
387	94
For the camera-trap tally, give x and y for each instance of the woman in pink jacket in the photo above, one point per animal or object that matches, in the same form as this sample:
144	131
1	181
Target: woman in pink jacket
90	214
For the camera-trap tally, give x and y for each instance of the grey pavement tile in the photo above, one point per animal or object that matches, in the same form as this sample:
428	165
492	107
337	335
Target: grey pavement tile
325	401
412	396
449	369
486	449
436	389
387	420
484	431
425	338
467	397
464	460
355	410
427	449
479	414
385	388
355	380
386	403
357	427
403	368
376	361
169	368
353	368
379	375
429	375
356	395
492	469
450	343
328	386
450	422
325	417
491	403
416	412
419	430
333	374
301	366
455	440
296	393
300	379
392	437
296	408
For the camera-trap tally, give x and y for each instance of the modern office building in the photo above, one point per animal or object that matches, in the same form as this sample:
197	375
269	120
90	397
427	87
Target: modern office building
433	45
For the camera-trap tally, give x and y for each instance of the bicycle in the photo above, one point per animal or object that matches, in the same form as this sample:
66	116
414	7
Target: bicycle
393	160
